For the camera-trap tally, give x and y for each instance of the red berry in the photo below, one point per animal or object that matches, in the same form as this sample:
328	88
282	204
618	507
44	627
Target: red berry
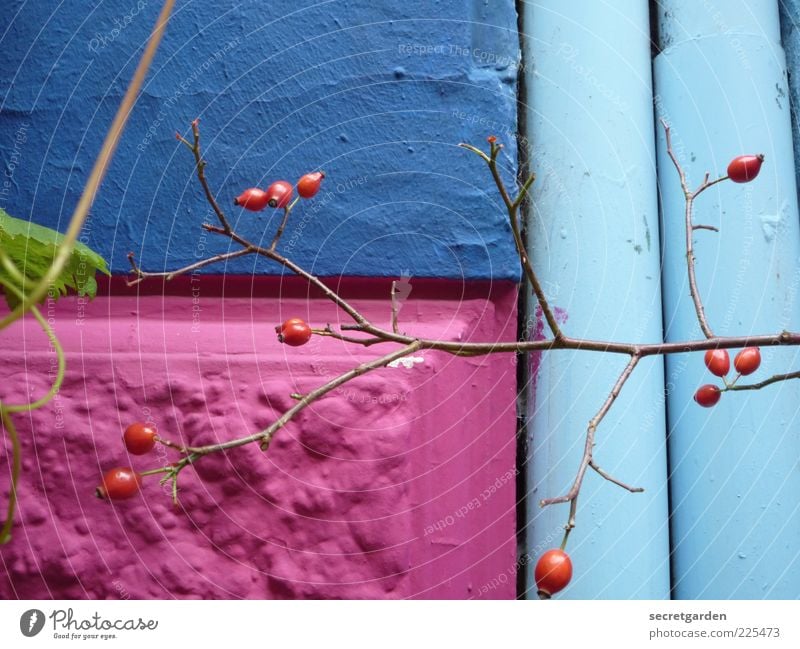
707	395
253	199
119	484
139	438
744	168
294	332
288	323
718	362
309	185
279	193
491	139
747	361
553	572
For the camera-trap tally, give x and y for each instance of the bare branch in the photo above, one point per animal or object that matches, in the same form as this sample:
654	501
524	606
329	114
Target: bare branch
141	275
395	308
705	227
706	184
201	176
512	206
376	335
610	478
286	212
587	458
671	153
366	342
762	384
264	437
689	199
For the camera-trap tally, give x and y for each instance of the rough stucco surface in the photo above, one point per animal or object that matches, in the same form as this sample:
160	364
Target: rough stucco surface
376	94
401	485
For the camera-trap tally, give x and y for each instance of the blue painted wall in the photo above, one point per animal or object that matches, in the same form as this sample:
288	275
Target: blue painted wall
377	94
594	241
721	81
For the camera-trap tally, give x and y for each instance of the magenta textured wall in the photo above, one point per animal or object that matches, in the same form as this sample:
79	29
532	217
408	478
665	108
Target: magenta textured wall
401	484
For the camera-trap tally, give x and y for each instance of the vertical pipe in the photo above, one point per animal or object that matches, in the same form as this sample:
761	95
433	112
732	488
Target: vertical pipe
790	34
721	83
593	236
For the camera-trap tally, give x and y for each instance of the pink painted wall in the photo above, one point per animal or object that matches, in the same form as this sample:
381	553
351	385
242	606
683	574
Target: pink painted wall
401	485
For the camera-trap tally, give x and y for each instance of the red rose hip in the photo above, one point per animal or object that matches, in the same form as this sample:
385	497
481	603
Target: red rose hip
718	362
139	438
253	199
294	332
708	395
279	193
744	168
747	361
120	483
553	572
309	185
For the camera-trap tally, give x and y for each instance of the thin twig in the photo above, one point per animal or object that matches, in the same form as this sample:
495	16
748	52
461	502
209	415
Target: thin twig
573	511
265	436
395	308
200	164
762	384
286	212
297	270
671	153
690	259
512	206
332	333
611	478
171	444
706	184
141	275
588	449
523	192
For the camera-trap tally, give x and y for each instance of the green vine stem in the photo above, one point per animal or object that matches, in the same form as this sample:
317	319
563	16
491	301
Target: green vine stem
6	410
16	463
12	269
28	299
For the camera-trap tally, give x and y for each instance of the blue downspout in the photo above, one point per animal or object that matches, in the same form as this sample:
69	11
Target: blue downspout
790	34
720	82
593	236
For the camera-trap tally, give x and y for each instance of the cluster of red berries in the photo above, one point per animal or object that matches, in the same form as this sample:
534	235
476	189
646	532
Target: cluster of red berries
279	193
718	363
121	483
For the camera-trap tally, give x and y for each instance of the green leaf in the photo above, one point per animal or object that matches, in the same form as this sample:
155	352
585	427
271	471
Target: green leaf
33	248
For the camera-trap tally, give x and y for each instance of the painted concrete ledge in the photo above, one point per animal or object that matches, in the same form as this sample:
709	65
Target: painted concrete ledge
400	485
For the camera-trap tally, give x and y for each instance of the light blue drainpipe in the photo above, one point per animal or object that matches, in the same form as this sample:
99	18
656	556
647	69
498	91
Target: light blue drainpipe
790	33
594	239
721	83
